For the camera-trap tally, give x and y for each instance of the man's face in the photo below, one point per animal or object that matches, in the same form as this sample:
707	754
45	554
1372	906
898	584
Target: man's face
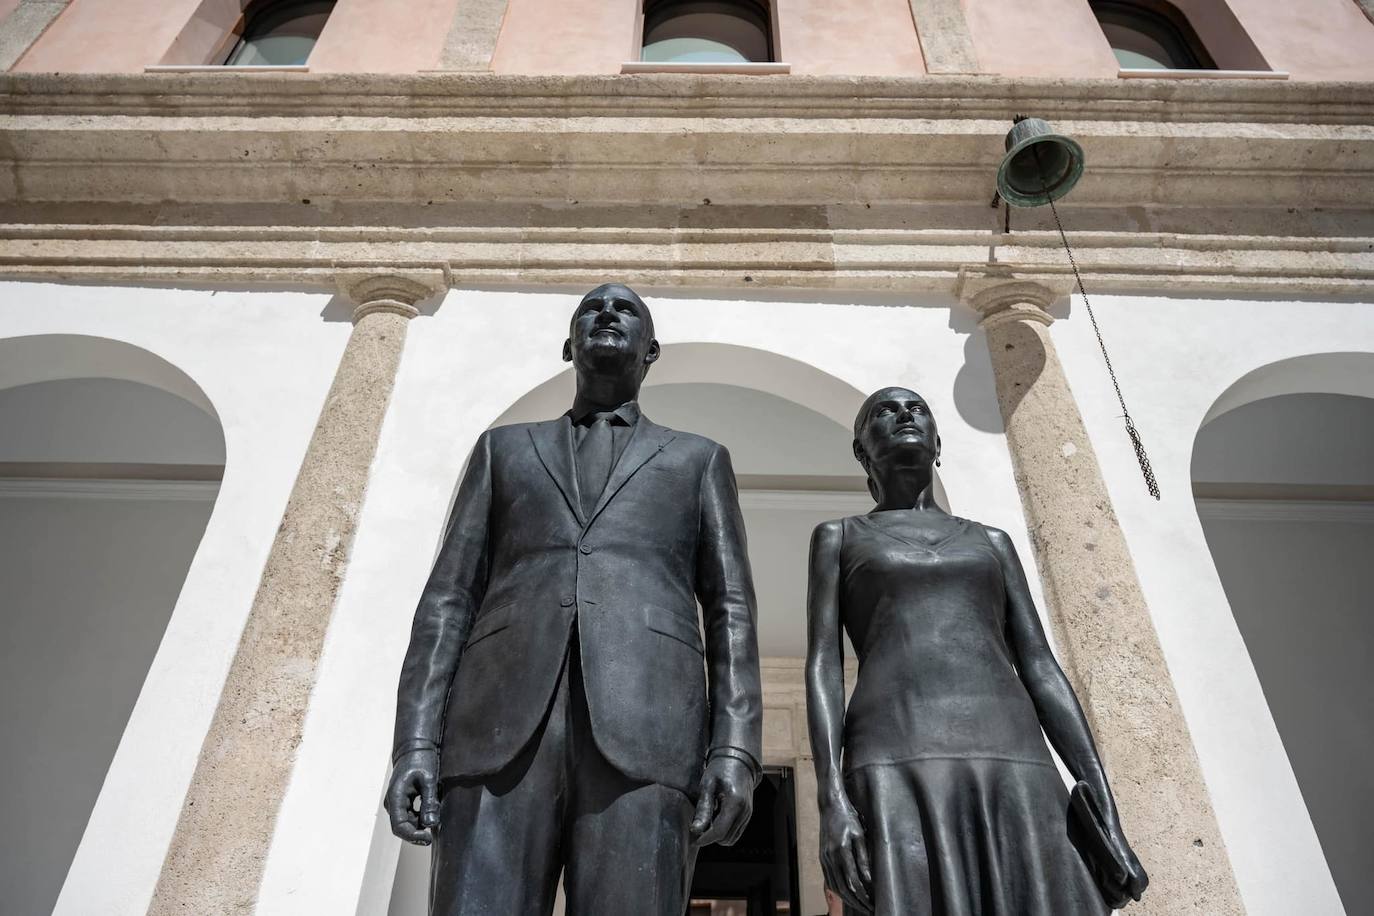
611	331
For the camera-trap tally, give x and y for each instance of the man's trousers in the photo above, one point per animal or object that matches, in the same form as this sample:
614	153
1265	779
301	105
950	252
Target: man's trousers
622	845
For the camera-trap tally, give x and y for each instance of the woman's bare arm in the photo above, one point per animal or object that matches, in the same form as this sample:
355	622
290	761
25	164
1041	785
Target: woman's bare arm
825	662
1056	705
844	851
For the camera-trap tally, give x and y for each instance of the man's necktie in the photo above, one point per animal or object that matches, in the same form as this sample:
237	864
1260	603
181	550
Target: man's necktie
594	461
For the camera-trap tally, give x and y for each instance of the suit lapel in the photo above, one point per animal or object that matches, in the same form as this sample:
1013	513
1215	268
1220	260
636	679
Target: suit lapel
553	443
647	441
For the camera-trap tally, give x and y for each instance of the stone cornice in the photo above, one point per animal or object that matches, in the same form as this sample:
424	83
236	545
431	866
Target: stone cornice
273	138
742	258
211	178
429	95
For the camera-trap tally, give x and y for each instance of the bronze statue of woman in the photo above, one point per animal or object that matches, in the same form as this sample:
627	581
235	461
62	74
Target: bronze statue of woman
948	803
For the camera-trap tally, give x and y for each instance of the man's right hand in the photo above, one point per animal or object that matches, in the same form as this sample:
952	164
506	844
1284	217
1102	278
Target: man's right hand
415	775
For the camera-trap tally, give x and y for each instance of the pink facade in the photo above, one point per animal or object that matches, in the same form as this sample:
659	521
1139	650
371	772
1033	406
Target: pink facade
567	36
1313	40
869	37
369	36
1044	38
92	36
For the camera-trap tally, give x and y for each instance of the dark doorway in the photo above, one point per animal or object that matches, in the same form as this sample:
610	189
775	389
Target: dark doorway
758	875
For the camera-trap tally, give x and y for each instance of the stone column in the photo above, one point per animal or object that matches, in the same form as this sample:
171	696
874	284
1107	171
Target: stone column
23	26
810	877
943	31
218	852
1103	631
471	41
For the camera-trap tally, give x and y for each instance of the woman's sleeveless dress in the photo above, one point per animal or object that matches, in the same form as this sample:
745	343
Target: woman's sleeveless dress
964	810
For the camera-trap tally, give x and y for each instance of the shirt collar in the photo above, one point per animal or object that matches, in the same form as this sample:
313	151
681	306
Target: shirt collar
627	413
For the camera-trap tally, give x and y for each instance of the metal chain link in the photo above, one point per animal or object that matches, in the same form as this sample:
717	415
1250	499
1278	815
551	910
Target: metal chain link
1140	456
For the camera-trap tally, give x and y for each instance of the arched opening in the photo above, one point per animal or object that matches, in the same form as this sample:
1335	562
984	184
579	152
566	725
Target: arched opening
1283	473
278	34
109	468
707	32
788	428
1151	35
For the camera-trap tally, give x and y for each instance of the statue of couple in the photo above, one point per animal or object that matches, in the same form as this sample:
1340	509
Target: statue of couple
560	713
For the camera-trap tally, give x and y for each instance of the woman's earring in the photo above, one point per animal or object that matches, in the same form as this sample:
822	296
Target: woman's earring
937	462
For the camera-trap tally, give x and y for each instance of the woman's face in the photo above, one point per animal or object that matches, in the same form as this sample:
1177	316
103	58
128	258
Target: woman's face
899	427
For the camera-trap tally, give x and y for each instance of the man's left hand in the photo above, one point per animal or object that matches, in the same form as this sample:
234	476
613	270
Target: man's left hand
727	800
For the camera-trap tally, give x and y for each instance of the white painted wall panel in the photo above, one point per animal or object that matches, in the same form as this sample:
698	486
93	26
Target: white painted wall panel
265	362
1175	358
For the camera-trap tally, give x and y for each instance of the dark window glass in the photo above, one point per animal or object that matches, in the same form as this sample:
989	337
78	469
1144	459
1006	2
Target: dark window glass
279	34
707	32
1151	35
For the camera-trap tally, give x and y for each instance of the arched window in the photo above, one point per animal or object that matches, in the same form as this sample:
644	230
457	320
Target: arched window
1151	35
706	32
278	34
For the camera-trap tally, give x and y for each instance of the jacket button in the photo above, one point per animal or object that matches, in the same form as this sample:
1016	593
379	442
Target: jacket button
567	601
585	548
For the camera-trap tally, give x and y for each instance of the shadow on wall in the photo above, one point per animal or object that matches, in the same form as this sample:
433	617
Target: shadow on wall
1283	474
109	468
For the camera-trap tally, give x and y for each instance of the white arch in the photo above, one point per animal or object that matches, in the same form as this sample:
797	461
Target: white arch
123	616
719	363
1302	641
1314	373
52	357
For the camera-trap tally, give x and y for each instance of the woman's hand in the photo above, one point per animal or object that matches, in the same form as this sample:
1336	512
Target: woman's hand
1136	879
1131	885
844	857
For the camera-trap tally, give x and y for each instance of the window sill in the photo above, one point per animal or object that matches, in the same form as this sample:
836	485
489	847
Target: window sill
1133	74
221	68
649	66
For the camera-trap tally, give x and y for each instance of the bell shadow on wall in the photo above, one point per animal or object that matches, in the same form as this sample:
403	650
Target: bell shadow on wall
758	875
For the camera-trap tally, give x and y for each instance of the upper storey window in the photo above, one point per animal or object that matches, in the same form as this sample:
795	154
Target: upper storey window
706	32
279	34
1151	35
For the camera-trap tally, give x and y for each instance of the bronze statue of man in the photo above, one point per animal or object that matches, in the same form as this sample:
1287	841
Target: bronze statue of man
558	710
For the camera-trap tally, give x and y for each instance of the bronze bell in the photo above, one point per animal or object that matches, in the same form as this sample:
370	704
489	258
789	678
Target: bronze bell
1040	165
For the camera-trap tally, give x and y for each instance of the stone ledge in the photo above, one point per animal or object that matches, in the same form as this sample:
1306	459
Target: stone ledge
226	93
272	138
154	159
756	258
831	183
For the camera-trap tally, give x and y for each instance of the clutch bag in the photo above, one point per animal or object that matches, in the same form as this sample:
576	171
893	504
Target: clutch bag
1088	829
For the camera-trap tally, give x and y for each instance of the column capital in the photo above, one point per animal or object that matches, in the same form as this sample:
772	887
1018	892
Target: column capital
396	293
1003	294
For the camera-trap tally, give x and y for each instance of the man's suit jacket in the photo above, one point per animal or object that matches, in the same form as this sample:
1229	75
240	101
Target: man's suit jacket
521	564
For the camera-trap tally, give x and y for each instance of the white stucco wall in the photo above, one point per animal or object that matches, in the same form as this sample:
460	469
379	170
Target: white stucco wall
91	570
1175	358
264	361
1300	583
1297	575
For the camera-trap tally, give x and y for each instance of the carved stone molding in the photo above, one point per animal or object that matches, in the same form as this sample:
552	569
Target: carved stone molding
811	182
1003	295
394	293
